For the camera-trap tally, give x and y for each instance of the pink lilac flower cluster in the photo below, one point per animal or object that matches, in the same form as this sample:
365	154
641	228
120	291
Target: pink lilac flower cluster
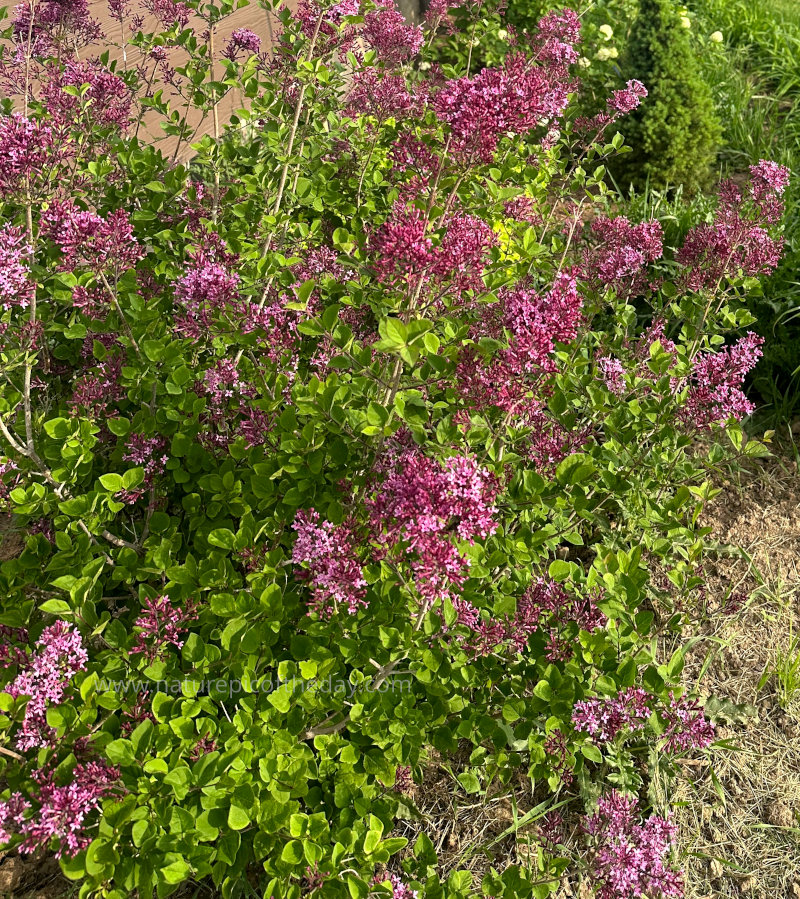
612	372
512	380
400	890
521	209
537	323
242	40
62	810
229	415
108	96
533	324
344	8
207	285
620	103
168	12
605	718
334	571
93	302
492	384
222	382
622	252
551	830
715	395
380	96
390	36
737	240
87	239
424	506
556	35
768	183
159	625
624	101
546	607
401	248
98	389
630	858
437	14
686	727
56	23
332	35
403	779
16	288
549	607
276	328
463	253
26	147
147	452
44	677
515	99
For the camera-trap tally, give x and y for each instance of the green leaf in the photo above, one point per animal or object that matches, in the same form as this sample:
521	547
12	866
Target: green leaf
592	753
292	852
238	818
222	537
112	482
469	782
120	752
56	607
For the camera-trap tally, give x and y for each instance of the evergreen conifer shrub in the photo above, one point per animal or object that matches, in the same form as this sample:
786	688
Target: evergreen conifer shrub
675	132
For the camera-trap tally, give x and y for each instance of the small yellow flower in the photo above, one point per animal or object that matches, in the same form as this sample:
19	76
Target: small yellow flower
607	53
607	31
686	22
584	63
716	37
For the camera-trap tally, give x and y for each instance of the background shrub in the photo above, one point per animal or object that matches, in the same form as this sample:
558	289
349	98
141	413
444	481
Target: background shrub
675	133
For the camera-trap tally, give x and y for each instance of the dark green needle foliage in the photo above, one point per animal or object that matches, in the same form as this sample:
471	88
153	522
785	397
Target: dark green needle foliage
675	132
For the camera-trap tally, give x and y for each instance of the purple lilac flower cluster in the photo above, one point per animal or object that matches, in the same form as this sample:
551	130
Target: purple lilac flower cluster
630	858
715	384
88	240
242	40
738	240
25	147
108	98
334	571
604	718
622	252
44	678
388	34
400	890
16	287
159	625
423	506
62	810
546	607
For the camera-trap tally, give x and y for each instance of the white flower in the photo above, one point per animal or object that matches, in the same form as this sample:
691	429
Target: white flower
716	37
607	31
584	63
686	22
502	34
607	53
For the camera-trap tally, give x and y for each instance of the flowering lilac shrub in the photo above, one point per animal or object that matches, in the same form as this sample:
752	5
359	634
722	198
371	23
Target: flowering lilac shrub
359	440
